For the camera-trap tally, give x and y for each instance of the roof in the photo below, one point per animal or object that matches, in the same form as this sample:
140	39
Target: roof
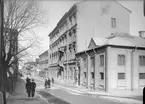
118	39
121	39
44	53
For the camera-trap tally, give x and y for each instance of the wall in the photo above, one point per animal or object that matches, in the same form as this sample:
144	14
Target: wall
131	69
93	21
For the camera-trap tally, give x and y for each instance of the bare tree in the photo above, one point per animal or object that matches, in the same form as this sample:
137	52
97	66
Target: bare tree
20	17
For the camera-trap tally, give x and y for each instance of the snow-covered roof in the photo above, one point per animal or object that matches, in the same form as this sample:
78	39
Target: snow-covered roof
120	39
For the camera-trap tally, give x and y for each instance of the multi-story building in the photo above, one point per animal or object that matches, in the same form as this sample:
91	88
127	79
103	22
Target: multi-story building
84	20
43	63
113	63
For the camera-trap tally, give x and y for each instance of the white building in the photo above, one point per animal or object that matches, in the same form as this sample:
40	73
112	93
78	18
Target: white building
73	32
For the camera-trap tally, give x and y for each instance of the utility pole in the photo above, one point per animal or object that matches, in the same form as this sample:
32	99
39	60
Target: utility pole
2	88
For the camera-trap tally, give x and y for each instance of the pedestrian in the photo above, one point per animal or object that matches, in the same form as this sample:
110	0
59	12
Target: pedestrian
33	86
46	83
28	87
52	80
49	83
27	79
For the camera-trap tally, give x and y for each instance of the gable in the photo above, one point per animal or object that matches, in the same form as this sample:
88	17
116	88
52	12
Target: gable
92	44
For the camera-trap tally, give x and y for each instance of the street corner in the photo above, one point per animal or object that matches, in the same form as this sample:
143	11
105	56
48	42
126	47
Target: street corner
121	100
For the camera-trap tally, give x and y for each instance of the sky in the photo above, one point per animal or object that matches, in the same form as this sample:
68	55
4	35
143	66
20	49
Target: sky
57	8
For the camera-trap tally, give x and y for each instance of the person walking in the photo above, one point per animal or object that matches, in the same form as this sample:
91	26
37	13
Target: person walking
33	86
27	79
46	83
49	83
52	80
28	87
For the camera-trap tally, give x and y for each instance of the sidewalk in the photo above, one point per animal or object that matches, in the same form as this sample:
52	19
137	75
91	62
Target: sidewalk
130	97
19	96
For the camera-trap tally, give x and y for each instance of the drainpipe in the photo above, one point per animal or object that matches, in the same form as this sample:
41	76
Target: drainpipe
87	70
132	65
95	69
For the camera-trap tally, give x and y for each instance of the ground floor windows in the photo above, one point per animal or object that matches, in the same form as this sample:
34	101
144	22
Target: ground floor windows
101	75
141	75
85	75
92	75
121	76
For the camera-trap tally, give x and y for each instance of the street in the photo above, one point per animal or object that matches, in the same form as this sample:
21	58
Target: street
57	95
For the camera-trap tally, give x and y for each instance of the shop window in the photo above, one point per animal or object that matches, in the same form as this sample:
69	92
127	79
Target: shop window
121	76
142	60
121	59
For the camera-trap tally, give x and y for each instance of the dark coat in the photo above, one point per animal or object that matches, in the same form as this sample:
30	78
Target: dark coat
33	85
48	82
28	86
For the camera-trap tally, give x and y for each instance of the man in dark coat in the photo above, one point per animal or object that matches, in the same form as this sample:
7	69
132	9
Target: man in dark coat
28	87
46	83
49	82
33	86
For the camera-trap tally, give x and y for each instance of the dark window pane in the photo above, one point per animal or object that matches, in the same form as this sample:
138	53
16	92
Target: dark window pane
141	75
121	75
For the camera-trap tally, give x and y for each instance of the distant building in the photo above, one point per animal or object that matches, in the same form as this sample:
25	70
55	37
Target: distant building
113	63
43	63
29	68
83	21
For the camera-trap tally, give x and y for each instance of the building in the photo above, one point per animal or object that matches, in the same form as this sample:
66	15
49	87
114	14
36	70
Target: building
29	68
84	20
113	63
43	63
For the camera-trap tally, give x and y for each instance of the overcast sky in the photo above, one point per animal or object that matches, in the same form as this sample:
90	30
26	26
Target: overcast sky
56	9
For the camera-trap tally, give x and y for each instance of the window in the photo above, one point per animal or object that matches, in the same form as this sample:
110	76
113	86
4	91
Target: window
101	60
113	22
92	62
121	75
142	60
92	74
141	75
85	62
85	75
121	59
70	47
74	46
101	75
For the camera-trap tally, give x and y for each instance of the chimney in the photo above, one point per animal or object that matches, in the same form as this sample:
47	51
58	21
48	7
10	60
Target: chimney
142	34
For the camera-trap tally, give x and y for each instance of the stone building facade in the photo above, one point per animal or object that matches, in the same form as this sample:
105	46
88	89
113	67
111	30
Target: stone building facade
73	32
43	63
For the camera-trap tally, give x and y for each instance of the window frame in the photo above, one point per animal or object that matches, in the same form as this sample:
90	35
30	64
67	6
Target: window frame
121	59
102	61
113	22
123	77
142	60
